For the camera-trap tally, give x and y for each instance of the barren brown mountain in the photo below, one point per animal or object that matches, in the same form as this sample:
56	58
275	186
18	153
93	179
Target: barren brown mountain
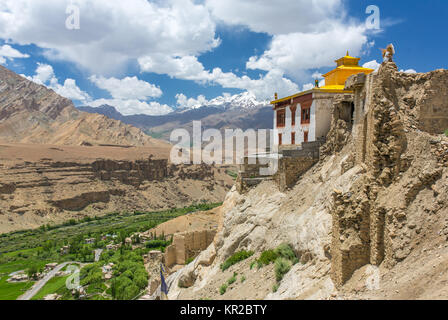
32	113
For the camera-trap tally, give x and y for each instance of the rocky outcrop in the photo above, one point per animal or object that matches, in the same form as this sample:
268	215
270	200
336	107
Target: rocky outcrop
40	192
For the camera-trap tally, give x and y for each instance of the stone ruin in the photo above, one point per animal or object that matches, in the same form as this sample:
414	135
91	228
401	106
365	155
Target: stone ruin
387	106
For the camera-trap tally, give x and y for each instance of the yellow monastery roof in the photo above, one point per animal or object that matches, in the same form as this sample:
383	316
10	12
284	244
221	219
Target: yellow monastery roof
335	79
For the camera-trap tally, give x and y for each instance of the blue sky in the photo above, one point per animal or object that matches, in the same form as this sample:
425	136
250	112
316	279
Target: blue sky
154	56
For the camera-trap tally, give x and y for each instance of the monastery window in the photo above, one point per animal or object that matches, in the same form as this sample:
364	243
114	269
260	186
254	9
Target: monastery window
280	138
305	136
293	138
293	115
306	115
281	118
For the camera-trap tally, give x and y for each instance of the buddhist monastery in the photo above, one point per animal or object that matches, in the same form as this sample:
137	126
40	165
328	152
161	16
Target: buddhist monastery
306	116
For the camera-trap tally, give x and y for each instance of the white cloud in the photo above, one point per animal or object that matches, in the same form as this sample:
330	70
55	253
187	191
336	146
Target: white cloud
112	33
130	107
189	68
184	102
127	88
9	53
44	75
71	91
130	95
372	65
278	17
295	53
307	35
408	71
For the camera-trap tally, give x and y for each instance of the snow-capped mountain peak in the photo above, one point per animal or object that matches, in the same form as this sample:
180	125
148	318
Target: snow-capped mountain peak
245	100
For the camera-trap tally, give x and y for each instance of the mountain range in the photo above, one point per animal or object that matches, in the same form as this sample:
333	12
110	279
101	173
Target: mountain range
241	111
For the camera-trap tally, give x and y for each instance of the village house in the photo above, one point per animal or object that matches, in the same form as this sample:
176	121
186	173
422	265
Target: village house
50	266
65	250
90	241
306	116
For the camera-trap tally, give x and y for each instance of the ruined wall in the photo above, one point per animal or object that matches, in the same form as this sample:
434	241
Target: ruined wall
290	169
131	172
350	247
187	245
389	106
341	124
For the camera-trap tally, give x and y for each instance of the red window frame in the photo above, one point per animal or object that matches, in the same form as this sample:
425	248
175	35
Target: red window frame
281	118
293	138
280	139
305	136
306	115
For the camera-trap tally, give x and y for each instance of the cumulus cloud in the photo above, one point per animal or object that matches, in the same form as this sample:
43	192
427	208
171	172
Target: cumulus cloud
296	52
372	65
45	75
130	96
278	17
184	102
9	53
131	106
127	88
112	33
167	37
306	34
189	68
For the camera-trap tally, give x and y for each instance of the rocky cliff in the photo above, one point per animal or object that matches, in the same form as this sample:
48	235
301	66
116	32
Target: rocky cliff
47	191
368	221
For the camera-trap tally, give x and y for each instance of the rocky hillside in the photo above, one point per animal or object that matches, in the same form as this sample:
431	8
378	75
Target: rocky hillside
32	113
368	221
50	191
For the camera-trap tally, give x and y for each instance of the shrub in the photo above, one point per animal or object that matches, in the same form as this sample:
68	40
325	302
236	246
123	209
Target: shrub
243	278
157	244
237	257
275	287
446	132
233	279
285	251
267	257
223	289
282	267
252	264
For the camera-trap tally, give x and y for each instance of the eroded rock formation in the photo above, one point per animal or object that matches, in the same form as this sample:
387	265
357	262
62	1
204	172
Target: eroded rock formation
35	193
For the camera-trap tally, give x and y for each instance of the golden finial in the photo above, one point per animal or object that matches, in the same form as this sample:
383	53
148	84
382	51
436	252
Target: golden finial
347	53
276	96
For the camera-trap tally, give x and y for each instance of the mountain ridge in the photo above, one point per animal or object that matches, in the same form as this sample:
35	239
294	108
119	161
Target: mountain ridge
241	111
33	113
